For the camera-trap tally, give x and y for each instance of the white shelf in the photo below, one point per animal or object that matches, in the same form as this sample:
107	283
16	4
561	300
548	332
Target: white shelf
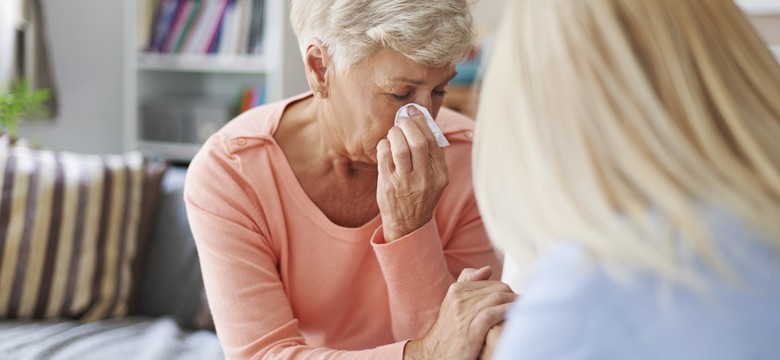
204	63
776	50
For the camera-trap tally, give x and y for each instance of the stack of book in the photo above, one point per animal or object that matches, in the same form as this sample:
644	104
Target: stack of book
223	27
252	96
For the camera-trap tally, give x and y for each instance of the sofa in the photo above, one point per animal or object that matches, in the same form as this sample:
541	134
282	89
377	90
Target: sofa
157	309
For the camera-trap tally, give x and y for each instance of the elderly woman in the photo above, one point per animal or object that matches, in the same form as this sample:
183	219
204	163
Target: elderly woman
636	145
326	231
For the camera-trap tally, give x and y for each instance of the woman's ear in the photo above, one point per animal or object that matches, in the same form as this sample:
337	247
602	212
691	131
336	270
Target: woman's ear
317	62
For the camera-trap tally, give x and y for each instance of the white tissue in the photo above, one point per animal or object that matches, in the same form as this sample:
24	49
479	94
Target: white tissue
404	111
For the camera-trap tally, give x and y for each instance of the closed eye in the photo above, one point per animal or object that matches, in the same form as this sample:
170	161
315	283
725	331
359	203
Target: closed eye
402	97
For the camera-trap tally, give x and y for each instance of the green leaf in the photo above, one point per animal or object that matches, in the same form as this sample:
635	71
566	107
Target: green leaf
19	102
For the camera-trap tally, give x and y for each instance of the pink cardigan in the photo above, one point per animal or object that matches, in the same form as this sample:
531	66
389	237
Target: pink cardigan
285	282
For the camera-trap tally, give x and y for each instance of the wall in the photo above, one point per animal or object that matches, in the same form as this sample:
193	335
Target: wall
487	14
765	15
85	43
769	28
7	8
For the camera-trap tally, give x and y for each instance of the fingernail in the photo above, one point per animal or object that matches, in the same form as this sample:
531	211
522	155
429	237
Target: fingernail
413	110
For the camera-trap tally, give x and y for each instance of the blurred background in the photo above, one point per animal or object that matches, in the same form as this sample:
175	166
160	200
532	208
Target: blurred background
161	75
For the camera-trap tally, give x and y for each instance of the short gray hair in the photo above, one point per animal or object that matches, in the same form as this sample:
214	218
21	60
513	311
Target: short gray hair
431	32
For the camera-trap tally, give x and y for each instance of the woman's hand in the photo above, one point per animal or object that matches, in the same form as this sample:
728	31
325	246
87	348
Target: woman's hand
491	341
473	305
412	176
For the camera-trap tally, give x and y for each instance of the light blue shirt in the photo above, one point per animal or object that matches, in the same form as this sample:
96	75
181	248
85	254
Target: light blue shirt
572	309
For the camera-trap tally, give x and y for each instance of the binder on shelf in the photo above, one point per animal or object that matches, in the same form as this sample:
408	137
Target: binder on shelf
166	13
213	30
177	27
228	30
145	22
252	96
214	41
193	33
187	11
201	32
194	17
244	26
255	44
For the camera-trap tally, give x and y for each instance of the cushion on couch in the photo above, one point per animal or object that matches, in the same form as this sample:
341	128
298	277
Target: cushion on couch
172	283
71	228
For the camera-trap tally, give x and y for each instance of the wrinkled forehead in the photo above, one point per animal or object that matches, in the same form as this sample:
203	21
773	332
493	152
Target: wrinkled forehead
389	66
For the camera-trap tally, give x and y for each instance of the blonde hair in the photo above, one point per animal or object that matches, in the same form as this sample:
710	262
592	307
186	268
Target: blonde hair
435	33
601	119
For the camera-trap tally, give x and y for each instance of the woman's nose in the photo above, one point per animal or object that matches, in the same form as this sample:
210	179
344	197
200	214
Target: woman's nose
424	100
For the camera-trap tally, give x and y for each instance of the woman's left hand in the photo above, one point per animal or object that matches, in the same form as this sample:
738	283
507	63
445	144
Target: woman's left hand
491	340
412	176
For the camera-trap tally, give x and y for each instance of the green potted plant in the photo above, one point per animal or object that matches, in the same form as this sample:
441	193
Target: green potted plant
20	101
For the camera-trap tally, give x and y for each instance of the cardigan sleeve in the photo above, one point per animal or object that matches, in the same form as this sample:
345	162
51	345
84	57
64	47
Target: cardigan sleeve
420	267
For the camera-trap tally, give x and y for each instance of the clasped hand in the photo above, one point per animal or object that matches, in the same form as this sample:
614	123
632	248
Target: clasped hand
472	307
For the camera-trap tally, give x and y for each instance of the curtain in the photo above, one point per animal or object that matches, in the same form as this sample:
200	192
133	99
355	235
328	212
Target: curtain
23	48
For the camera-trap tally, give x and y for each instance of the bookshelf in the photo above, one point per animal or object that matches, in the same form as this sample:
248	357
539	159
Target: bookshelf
199	80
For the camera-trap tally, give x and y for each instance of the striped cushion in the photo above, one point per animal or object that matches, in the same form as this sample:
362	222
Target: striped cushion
69	228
